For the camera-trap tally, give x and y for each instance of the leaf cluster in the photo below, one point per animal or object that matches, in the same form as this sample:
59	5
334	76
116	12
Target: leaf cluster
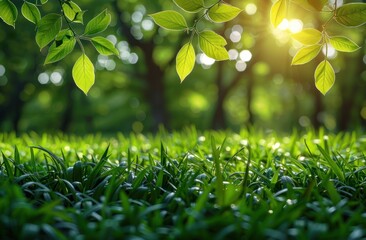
209	42
56	30
349	15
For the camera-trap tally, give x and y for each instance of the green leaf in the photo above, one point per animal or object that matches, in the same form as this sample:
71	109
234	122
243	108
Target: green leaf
72	12
324	77
170	19
223	12
99	23
308	36
31	12
104	46
83	73
306	54
278	12
343	44
48	28
190	5
44	1
212	44
351	14
185	60
61	47
8	12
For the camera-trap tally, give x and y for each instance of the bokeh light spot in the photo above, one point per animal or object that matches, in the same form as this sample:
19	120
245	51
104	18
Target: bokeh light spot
251	9
240	66
2	70
43	78
245	55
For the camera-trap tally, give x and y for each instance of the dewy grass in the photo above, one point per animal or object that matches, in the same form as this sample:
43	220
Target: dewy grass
183	185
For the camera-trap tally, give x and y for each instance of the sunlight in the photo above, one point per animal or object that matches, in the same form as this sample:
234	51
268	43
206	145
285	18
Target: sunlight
329	51
251	9
295	26
292	26
204	60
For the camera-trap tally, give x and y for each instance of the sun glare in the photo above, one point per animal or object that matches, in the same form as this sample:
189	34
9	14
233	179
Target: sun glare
292	26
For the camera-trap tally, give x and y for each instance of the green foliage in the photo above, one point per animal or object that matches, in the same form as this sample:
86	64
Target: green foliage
213	45
278	12
51	27
223	12
31	12
210	43
324	77
98	24
306	54
83	73
170	20
183	185
104	46
190	5
50	31
63	45
185	60
349	15
308	36
8	12
343	44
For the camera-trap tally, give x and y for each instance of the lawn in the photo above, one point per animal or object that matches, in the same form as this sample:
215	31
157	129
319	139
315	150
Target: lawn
184	185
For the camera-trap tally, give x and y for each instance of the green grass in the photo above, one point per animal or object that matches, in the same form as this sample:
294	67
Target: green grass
183	185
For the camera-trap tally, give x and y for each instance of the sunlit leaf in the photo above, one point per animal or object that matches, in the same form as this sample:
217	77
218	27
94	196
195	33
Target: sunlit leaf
44	1
343	44
223	12
308	36
278	12
324	77
104	46
98	24
190	5
185	60
170	19
60	48
83	73
351	14
8	12
48	27
72	11
31	12
212	44
306	54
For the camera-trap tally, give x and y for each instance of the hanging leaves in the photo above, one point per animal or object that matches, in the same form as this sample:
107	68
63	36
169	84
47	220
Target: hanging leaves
83	73
48	27
190	5
8	12
61	47
306	54
343	44
324	77
98	24
278	12
185	60
170	20
351	14
212	44
308	36
104	46
31	12
223	12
